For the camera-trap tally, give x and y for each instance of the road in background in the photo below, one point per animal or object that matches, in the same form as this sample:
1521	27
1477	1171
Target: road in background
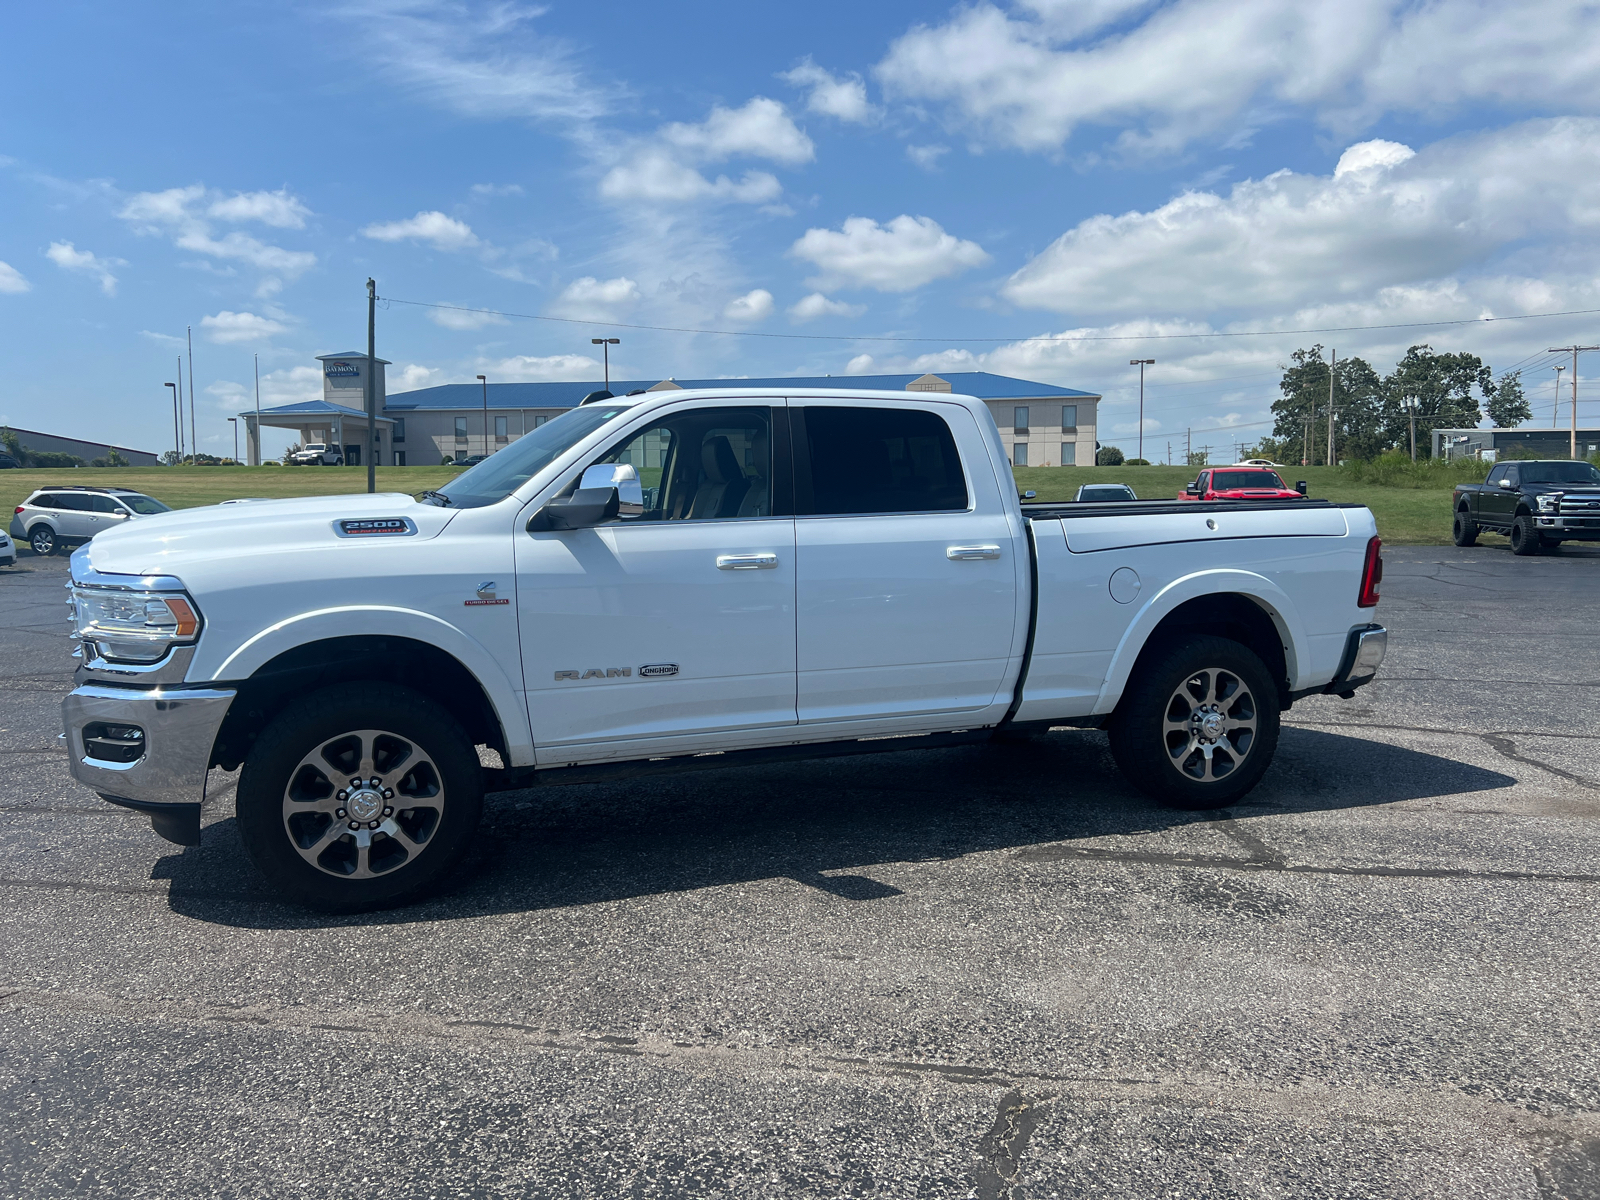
990	971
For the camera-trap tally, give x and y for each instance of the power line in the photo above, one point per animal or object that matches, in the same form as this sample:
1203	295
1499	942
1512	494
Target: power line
1120	337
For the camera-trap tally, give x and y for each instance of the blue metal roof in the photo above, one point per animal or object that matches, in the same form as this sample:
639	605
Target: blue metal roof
311	408
981	384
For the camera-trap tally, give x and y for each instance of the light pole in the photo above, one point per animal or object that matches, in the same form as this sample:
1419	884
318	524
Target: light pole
1409	403
605	345
234	421
177	427
484	379
1141	363
1555	413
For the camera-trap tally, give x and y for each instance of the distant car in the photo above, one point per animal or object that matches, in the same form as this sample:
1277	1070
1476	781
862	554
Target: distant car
318	454
472	460
66	516
8	552
7	463
1241	483
1103	493
1258	462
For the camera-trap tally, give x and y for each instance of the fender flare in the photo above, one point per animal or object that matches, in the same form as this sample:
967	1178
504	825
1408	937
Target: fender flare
353	620
1273	600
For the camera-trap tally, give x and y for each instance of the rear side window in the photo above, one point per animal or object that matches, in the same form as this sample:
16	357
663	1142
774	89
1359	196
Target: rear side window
879	460
45	501
74	503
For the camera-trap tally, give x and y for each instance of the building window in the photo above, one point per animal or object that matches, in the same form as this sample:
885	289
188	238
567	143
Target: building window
461	430
1019	420
399	434
1019	454
399	458
538	421
1069	454
501	429
1069	416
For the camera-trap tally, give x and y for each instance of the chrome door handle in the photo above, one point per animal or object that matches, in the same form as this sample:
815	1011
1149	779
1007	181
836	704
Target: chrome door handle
746	562
969	553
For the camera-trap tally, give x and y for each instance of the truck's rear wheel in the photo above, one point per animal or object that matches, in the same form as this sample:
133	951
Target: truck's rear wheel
1524	536
1465	531
1198	725
362	796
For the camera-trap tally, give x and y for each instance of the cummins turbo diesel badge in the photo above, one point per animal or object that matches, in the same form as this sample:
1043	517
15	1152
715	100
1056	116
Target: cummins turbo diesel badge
374	527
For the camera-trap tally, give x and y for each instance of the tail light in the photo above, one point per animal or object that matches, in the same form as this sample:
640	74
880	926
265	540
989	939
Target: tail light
1371	574
19	508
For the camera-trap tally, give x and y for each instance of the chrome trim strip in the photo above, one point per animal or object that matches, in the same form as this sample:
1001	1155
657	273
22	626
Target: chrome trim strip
83	575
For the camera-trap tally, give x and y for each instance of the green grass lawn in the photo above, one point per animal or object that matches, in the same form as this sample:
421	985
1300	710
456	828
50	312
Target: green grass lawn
1415	515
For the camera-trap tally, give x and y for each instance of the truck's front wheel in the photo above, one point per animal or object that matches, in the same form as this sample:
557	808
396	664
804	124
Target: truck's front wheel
1198	725
1465	532
1524	536
362	796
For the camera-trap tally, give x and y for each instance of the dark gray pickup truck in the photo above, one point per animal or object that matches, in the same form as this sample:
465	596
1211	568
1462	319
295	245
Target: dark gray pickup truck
1537	504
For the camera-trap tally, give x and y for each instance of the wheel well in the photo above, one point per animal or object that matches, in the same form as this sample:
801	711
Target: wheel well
1229	615
378	659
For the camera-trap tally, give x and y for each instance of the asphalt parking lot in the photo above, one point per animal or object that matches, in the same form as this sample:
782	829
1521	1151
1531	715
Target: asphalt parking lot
991	972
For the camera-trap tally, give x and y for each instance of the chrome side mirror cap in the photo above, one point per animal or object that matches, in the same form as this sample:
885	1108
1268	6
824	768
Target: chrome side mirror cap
1506	483
623	477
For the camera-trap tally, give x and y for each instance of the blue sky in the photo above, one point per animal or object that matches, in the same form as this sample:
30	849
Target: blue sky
1038	188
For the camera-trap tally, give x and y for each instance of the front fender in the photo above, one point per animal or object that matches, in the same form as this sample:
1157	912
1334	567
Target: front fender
355	620
1221	581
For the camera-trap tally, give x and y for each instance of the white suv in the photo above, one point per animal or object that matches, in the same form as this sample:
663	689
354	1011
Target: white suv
8	552
64	516
318	454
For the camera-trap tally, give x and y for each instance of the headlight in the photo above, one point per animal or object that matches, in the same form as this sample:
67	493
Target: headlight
1549	502
131	626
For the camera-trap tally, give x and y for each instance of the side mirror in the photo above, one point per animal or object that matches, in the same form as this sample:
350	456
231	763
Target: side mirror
1029	495
1300	486
622	476
584	508
1506	483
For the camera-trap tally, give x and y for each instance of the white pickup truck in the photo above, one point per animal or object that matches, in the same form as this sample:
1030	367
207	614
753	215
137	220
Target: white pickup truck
682	580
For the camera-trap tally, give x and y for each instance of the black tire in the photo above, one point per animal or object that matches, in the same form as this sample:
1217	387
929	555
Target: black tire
43	540
1524	536
291	783
1465	531
1175	766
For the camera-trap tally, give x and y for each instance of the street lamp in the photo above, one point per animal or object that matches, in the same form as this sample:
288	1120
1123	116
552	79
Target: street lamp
176	427
1141	363
1410	404
484	379
234	421
605	345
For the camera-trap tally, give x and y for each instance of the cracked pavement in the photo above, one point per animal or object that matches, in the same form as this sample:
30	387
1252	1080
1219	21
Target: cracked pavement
979	972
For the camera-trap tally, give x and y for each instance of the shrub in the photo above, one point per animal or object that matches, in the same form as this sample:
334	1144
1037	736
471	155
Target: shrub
43	458
447	461
1108	456
1394	468
1136	462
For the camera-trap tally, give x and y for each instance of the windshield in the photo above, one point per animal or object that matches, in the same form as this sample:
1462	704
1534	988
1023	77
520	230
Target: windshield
1107	493
1224	481
1559	472
504	471
143	505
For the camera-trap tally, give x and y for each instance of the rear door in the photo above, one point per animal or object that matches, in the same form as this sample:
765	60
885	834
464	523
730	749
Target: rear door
908	568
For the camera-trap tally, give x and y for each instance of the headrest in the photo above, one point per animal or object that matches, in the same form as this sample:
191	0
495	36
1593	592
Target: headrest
718	460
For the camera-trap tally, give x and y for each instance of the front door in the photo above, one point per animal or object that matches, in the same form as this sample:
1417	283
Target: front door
660	632
908	577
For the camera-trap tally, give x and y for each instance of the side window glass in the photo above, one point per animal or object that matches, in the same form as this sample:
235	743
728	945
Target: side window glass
1512	474
103	504
73	503
882	460
44	502
704	464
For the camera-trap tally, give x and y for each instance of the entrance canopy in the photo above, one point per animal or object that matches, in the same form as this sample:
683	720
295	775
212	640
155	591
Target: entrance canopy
321	421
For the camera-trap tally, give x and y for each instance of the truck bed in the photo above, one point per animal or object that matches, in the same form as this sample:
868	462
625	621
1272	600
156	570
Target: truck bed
1067	509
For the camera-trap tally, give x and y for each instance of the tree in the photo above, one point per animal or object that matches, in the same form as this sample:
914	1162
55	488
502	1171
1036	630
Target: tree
1108	456
13	446
169	458
1301	411
1507	406
1441	385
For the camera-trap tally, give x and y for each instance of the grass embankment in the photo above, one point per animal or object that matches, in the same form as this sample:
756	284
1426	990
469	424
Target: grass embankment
1411	502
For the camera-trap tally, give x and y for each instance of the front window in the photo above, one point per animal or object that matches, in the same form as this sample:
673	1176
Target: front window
1231	480
707	464
498	476
1559	472
144	505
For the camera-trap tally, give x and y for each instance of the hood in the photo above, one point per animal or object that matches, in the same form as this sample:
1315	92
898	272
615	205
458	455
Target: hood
1256	494
165	543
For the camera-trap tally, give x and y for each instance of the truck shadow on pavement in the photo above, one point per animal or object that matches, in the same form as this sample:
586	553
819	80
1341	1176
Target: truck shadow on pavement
823	823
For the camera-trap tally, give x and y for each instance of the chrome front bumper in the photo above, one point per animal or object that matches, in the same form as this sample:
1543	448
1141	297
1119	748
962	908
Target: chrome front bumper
168	778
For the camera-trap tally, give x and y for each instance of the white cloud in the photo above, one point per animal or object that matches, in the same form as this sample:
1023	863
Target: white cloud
594	299
901	256
11	280
496	189
1386	217
665	167
433	227
165	339
926	157
861	364
832	96
809	308
752	306
410	377
463	319
229	328
69	258
1032	76
186	215
522	368
278	209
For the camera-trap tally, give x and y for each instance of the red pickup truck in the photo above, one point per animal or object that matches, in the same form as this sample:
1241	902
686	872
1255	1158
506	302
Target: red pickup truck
1241	483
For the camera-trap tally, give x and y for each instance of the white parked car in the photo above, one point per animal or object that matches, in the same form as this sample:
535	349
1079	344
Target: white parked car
8	551
677	581
65	516
318	454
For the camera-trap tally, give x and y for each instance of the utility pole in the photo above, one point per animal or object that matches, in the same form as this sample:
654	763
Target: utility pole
1141	363
180	410
177	422
605	345
1333	362
1574	351
1410	403
1555	413
1169	454
484	379
194	440
257	462
372	386
1188	446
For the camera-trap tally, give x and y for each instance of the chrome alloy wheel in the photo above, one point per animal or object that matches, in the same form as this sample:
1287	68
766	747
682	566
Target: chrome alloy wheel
363	804
1210	725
